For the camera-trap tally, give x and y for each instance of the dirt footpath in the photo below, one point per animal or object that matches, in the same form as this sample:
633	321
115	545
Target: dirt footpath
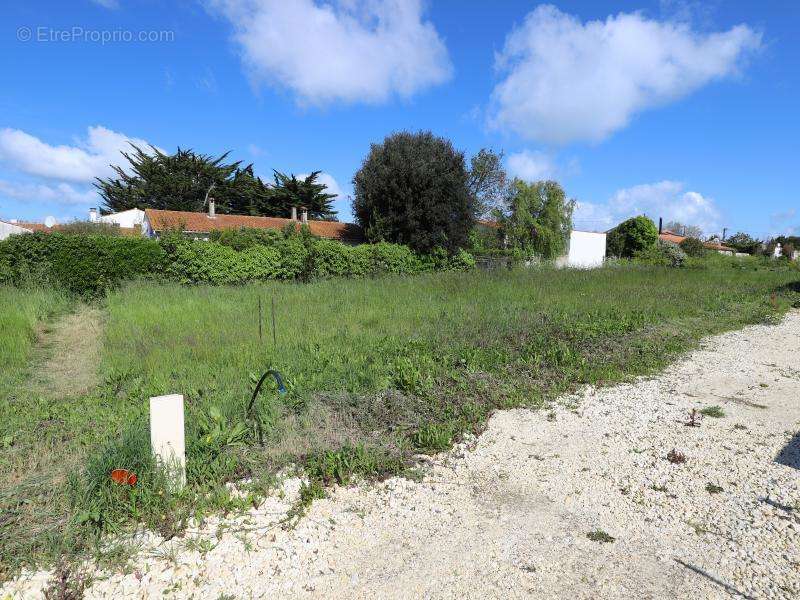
580	502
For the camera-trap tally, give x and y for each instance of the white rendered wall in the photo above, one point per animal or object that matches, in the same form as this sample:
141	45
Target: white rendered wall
586	249
7	229
126	218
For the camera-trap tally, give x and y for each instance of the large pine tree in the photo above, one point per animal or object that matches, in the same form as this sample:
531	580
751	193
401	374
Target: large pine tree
180	181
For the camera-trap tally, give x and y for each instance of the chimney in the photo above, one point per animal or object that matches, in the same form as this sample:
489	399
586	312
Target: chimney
93	215
212	209
294	213
304	215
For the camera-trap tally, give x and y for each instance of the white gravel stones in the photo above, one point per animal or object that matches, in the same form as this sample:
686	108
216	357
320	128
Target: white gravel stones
507	515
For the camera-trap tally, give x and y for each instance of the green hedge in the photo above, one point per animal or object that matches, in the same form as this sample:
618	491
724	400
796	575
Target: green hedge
82	264
88	265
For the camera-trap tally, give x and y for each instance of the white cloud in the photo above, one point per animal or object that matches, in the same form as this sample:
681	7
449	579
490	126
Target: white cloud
107	3
566	81
345	50
665	199
81	162
530	166
61	193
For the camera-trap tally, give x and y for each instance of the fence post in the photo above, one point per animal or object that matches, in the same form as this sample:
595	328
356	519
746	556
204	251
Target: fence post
167	436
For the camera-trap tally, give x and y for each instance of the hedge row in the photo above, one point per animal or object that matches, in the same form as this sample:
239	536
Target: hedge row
88	265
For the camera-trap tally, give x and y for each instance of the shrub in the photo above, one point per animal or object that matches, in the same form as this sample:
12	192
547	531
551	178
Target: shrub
245	237
631	237
81	264
693	247
664	253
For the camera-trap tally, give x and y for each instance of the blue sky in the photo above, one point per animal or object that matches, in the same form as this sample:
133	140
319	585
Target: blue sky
677	109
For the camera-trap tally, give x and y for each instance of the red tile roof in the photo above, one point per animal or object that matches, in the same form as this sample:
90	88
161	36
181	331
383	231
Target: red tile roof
195	222
671	236
134	231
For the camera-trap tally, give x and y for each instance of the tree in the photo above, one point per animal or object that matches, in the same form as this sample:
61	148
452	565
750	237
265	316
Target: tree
742	242
180	181
413	189
487	182
288	191
686	230
631	236
540	218
693	247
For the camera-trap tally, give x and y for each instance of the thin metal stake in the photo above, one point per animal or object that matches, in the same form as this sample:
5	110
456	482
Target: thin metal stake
274	336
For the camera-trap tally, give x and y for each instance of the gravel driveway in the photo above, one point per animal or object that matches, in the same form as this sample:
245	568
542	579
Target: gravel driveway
577	502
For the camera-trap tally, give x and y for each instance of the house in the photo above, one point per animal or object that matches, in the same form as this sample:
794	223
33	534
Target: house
200	225
13	228
126	219
713	244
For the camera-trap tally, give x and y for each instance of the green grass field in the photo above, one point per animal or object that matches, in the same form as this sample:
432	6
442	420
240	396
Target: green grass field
376	370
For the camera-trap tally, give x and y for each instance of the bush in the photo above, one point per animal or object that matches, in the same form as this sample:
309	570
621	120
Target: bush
412	189
82	264
631	237
666	254
693	247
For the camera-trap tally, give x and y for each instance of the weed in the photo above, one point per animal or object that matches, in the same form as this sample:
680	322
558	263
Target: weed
598	535
713	488
694	418
66	583
715	412
676	457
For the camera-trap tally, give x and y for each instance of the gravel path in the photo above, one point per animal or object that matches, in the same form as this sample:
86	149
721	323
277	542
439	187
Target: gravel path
508	515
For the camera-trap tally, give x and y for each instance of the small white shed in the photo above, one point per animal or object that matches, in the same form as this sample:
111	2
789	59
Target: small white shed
587	249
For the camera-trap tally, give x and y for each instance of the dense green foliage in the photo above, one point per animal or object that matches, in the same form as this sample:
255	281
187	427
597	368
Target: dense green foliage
289	191
488	183
90	265
80	264
743	242
540	219
693	247
631	237
412	189
180	181
376	370
666	254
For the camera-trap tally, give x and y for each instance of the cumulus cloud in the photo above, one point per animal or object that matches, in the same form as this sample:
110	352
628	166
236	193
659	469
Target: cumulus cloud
345	50
530	166
667	199
564	80
61	193
81	162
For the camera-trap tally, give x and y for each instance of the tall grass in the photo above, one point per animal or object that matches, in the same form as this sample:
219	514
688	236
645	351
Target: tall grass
21	310
375	370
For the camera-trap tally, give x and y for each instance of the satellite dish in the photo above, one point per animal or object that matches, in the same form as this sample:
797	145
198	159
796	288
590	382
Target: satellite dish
50	221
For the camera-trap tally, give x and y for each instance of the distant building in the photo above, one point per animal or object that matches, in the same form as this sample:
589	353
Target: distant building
712	244
127	219
9	229
200	225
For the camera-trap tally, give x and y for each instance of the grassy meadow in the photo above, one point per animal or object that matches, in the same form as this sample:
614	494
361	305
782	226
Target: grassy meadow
376	370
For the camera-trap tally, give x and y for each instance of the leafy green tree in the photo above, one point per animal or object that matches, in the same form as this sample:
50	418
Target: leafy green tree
631	237
413	189
540	218
289	191
487	182
693	247
742	242
180	181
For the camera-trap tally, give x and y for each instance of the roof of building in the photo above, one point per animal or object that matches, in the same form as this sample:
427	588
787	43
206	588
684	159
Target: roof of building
195	222
671	236
134	231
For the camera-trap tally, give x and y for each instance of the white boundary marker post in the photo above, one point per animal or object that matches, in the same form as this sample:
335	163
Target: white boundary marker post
167	436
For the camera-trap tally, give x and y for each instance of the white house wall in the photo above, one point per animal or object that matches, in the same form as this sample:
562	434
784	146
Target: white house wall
7	229
126	218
